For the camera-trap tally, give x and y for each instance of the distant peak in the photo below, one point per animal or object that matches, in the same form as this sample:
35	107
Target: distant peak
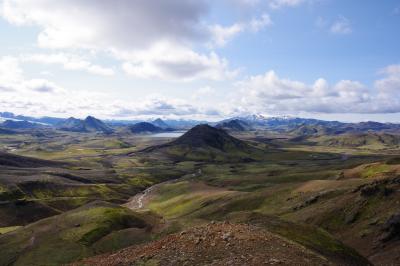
90	118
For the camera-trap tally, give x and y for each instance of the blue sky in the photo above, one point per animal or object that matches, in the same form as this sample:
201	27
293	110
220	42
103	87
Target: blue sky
203	59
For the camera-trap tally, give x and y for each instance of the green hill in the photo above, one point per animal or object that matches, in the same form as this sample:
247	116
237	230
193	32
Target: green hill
206	143
366	140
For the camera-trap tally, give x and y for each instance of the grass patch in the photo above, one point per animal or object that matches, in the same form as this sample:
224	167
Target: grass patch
374	169
5	230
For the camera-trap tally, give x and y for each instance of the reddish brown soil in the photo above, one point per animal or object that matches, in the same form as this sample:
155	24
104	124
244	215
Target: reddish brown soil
214	244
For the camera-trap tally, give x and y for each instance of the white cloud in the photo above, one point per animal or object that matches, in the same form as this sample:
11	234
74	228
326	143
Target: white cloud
272	4
123	25
257	24
205	90
275	4
341	26
41	97
222	35
269	93
203	93
246	2
42	86
392	70
170	62
12	79
139	28
69	62
10	71
151	38
157	105
390	84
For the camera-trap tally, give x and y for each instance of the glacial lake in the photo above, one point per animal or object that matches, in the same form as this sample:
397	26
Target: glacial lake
174	134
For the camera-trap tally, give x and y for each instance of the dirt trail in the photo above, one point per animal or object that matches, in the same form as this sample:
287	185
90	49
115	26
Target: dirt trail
138	201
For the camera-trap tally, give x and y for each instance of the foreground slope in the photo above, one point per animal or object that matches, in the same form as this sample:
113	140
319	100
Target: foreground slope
217	244
73	235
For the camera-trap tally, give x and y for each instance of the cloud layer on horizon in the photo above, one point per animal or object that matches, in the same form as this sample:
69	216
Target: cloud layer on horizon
267	93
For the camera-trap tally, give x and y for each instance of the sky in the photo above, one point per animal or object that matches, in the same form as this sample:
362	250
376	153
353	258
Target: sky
201	59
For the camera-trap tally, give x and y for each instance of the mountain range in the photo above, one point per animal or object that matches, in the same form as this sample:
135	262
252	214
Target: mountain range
286	124
89	124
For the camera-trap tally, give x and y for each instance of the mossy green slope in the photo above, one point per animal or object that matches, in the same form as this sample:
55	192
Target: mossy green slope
73	235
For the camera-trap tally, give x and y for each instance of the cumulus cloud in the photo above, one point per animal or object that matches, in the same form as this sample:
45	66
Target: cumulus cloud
10	71
135	32
203	93
246	2
257	24
157	105
275	4
341	26
388	87
69	62
221	35
272	4
170	62
153	39
42	86
119	24
12	79
269	93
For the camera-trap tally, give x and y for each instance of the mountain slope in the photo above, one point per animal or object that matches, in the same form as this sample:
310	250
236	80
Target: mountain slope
11	160
90	124
12	124
312	130
160	123
234	125
144	127
45	119
71	124
93	124
4	131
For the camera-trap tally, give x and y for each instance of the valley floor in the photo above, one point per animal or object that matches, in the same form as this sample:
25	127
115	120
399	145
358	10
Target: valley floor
110	200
